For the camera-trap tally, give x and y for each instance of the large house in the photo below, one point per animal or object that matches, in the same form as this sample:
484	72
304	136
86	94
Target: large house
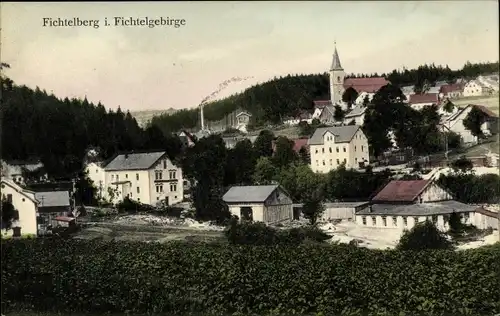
148	177
419	101
454	122
260	203
330	147
25	204
451	91
401	204
476	88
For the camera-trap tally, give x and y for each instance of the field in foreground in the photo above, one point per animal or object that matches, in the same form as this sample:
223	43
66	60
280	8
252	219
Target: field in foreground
180	278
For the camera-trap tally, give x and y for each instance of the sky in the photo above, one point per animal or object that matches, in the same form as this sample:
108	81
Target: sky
142	68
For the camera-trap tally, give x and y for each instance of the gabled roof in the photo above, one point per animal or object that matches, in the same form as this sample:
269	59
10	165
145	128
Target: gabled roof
320	104
134	161
19	189
356	111
452	88
424	98
249	194
243	113
336	61
299	143
370	85
401	191
52	198
343	134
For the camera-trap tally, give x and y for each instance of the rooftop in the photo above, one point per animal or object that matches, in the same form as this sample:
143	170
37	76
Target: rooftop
343	134
250	193
424	98
52	198
134	161
420	209
401	191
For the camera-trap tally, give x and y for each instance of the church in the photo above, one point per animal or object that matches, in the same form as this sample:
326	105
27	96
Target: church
324	109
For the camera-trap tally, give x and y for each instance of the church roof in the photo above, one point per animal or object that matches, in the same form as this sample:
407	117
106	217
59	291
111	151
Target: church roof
336	61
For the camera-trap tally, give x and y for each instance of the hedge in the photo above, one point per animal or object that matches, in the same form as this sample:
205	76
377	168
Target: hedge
74	276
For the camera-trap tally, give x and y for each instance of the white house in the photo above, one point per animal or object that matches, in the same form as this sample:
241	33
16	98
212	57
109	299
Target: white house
360	100
419	101
303	116
243	119
451	91
148	177
455	121
357	114
260	203
187	138
476	88
25	204
331	147
406	216
95	172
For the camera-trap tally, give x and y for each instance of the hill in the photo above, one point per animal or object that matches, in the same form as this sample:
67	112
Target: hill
273	100
144	117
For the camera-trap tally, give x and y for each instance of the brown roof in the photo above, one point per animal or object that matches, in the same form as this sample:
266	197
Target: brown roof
485	110
401	191
451	88
424	98
370	85
299	143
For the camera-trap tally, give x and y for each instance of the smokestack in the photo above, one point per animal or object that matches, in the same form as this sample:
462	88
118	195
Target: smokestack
202	118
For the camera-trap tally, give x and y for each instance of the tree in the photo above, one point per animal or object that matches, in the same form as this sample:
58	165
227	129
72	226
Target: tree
265	171
449	106
474	120
240	164
423	236
305	129
349	96
85	190
338	114
284	153
455	224
304	155
462	164
9	213
263	145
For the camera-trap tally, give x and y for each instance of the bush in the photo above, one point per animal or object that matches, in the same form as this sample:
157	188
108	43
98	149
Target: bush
424	235
261	234
130	206
180	278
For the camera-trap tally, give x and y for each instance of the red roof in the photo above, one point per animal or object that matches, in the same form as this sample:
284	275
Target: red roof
299	143
401	191
370	85
485	110
452	88
424	98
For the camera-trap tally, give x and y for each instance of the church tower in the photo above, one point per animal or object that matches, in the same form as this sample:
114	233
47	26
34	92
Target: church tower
337	75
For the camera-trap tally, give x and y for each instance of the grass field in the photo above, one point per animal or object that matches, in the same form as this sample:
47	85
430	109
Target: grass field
491	102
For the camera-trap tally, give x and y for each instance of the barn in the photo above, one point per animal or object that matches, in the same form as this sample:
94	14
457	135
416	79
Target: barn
334	211
259	203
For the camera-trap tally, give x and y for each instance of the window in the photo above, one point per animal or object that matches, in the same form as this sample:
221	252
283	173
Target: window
344	149
405	221
159	188
172	174
337	149
164	164
363	218
338	79
138	190
137	176
97	171
157	198
362	147
24	200
338	162
331	150
345	160
354	148
355	159
323	162
323	150
394	221
117	178
415	219
138	199
317	163
173	187
112	177
126	176
331	162
316	151
158	175
374	221
466	217
384	221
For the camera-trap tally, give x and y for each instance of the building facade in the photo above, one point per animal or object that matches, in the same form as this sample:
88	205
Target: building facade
330	147
25	205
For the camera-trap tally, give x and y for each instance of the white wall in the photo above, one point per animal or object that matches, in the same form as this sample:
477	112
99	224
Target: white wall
293	122
420	106
98	176
358	119
482	221
170	185
434	193
472	88
257	209
25	205
331	155
137	178
338	213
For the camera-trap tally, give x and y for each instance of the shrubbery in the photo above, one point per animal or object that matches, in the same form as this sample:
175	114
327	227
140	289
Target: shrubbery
261	234
179	278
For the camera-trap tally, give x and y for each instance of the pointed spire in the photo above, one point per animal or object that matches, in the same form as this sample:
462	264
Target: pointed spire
336	60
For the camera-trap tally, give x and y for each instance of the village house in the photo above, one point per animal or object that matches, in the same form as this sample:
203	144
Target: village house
408	91
402	204
451	91
242	121
330	147
186	138
454	123
302	116
476	88
148	177
25	205
95	172
259	203
231	141
52	204
356	115
15	170
334	211
419	101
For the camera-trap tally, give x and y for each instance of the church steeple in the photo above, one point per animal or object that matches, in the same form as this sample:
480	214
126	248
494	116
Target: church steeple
336	60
